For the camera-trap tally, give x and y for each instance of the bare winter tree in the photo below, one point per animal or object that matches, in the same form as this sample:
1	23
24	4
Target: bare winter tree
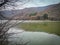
11	3
5	25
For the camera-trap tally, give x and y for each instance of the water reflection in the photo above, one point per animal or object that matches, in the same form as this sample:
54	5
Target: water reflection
34	38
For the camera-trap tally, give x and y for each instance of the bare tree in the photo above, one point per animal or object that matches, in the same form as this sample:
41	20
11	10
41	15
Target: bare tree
5	25
11	3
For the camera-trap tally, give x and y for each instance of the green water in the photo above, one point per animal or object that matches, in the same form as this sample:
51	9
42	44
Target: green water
40	38
34	38
50	27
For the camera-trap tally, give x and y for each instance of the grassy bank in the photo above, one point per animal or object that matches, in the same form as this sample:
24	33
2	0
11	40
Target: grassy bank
50	27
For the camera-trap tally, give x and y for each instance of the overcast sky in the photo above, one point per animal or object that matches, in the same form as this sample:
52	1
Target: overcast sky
36	3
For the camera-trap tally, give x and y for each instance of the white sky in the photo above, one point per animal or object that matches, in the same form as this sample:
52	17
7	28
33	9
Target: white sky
35	3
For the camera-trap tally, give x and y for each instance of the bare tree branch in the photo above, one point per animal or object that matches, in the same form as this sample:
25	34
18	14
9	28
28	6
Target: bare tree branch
5	26
5	1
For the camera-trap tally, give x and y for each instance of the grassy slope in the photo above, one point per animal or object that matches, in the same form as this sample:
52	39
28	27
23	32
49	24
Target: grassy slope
50	27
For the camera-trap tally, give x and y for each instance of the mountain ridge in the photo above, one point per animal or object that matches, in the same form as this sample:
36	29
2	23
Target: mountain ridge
51	10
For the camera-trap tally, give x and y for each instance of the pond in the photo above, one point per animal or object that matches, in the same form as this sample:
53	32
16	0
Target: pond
33	38
44	26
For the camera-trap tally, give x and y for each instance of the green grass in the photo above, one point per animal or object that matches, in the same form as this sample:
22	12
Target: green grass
50	27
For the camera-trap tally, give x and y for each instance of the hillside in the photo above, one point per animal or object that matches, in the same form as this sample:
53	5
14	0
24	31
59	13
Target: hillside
53	11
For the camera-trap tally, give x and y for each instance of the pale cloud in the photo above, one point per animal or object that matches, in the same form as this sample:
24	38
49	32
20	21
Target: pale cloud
34	3
38	3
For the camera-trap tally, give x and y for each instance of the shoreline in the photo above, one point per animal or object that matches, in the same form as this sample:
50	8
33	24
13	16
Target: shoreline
29	21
